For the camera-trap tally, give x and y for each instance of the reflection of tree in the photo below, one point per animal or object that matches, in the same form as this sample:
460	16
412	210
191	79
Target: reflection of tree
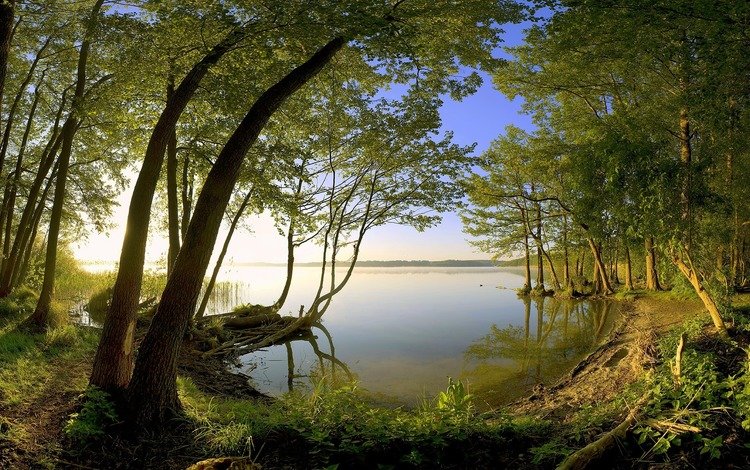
323	359
510	359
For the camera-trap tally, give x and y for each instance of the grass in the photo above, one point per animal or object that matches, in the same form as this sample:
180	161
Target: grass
340	427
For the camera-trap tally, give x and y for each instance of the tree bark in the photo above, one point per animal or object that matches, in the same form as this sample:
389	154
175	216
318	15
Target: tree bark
113	362
23	232
152	392
688	270
601	271
566	266
172	209
527	259
7	16
9	200
19	274
628	270
40	319
22	89
652	277
289	266
187	196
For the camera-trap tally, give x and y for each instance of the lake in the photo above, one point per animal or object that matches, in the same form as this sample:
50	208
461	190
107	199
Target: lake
401	332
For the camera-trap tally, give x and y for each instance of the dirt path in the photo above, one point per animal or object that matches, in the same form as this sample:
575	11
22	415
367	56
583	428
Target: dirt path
619	361
37	423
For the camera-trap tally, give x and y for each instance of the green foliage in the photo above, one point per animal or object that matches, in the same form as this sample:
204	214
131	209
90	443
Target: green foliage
705	387
340	426
96	415
550	452
456	399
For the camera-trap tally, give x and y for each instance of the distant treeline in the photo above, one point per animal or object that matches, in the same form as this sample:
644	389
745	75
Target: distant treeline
449	263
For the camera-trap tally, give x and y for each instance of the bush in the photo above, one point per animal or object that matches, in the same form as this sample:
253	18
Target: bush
96	415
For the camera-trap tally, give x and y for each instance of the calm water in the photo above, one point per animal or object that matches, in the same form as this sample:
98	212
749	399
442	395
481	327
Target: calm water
401	332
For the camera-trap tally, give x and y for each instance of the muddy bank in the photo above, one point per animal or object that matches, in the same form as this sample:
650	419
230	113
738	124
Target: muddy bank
619	361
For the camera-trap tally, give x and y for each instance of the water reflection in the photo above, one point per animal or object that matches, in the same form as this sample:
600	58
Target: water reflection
403	331
556	334
326	371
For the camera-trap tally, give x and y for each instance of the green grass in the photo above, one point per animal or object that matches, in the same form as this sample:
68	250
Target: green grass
340	426
25	358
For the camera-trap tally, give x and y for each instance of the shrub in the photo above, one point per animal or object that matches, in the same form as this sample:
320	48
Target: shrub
96	415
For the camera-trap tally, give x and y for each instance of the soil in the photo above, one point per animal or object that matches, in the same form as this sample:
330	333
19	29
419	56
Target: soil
42	420
618	362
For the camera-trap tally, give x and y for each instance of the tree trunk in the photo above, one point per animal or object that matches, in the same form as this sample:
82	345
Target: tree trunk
7	16
10	203
113	362
652	277
555	280
289	266
615	276
601	270
686	159
152	392
187	196
583	262
628	270
40	319
688	270
24	229
172	209
566	265
6	208
527	259
19	274
215	274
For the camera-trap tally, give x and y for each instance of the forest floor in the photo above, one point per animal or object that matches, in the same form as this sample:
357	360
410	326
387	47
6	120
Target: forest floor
43	379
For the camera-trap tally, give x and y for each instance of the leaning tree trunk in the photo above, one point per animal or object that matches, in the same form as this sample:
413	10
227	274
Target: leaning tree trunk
688	270
9	203
652	277
113	362
23	231
601	270
7	15
152	392
289	266
187	196
172	209
40	319
19	275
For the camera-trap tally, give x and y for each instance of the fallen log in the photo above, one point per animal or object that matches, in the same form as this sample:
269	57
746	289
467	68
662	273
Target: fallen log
252	321
591	455
226	463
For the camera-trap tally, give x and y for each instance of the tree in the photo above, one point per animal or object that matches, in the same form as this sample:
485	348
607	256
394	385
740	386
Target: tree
41	319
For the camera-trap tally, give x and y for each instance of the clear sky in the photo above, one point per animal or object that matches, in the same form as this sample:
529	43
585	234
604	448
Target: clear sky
478	119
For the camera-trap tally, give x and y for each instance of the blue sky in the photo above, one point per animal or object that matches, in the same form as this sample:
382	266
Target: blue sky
479	119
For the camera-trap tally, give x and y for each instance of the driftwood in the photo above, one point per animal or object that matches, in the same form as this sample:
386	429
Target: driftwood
677	366
591	455
252	339
226	463
251	321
